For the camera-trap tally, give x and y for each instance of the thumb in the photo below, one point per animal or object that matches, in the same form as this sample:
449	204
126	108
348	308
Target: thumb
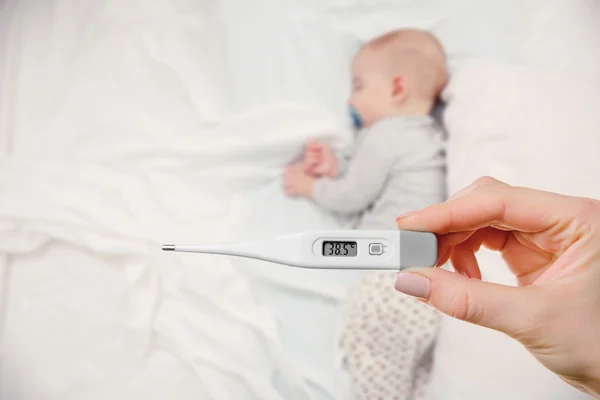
511	310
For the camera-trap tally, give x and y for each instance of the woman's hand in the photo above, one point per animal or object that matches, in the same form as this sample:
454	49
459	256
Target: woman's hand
550	242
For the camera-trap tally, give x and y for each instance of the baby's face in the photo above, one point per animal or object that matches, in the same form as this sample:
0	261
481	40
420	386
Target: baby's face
372	88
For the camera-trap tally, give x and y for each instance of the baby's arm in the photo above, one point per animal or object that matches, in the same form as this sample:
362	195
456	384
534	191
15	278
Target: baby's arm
362	182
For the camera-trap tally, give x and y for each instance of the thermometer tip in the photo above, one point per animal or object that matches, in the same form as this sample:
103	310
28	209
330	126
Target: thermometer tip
168	247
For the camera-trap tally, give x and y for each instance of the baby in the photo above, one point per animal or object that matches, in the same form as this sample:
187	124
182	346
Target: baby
396	165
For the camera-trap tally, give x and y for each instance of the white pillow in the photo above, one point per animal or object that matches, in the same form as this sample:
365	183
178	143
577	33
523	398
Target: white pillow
527	128
562	34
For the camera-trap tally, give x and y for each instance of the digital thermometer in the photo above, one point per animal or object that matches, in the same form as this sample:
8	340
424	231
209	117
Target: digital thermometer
344	249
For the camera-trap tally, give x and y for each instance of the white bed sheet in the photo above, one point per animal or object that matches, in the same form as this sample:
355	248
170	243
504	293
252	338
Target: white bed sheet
114	124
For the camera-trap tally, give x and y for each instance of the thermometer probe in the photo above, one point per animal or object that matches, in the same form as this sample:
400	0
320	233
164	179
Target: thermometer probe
343	249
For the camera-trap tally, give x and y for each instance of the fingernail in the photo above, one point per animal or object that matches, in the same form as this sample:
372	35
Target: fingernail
413	285
404	215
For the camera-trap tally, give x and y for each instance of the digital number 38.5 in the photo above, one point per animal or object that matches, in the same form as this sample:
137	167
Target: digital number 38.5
339	249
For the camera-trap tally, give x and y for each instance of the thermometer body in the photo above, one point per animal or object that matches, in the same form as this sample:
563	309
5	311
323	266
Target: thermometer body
342	249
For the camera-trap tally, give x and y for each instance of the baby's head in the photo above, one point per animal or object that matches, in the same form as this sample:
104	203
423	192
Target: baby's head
399	73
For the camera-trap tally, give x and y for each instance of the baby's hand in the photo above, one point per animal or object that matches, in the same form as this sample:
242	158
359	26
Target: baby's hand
320	160
297	182
312	159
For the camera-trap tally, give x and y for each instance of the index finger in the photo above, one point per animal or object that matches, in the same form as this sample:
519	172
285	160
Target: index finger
493	203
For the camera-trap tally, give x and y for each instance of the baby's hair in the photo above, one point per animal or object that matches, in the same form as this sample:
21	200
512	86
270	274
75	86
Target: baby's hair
417	53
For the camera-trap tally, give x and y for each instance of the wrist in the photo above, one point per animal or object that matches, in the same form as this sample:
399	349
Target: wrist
588	383
592	387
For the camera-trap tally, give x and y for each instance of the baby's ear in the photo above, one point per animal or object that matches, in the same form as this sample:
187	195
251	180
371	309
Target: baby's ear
399	88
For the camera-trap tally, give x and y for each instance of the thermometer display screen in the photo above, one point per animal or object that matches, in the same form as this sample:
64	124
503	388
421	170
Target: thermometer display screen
340	249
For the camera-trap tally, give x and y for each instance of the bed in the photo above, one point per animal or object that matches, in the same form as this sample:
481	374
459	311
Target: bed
125	124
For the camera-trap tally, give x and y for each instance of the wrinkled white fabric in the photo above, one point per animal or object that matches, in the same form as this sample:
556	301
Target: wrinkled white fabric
115	117
115	199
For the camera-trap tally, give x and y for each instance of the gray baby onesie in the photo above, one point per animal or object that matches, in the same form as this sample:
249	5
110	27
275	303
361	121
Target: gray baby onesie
395	166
